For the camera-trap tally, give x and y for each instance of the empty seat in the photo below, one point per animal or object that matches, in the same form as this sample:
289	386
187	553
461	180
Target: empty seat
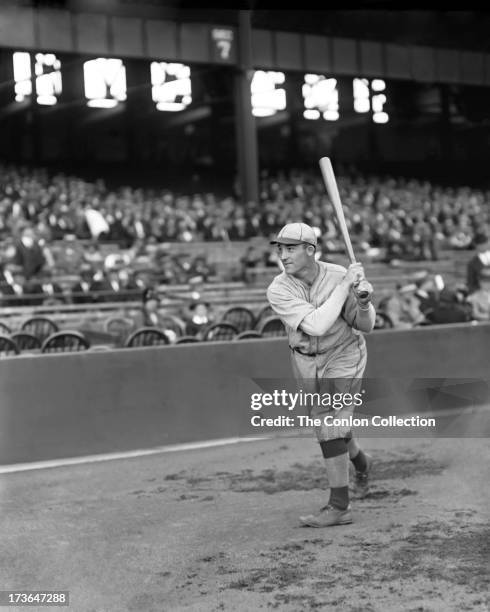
41	327
25	341
239	316
147	336
220	331
65	342
272	326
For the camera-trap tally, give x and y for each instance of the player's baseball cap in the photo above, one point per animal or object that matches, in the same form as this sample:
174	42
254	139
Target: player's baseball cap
296	233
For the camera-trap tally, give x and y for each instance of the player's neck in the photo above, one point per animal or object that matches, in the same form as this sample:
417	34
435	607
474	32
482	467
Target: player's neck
308	275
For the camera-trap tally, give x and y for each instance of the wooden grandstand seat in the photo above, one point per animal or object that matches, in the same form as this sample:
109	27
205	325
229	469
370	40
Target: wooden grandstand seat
5	329
147	336
121	327
41	327
272	327
65	342
187	340
173	323
249	334
220	331
26	341
239	316
264	313
8	346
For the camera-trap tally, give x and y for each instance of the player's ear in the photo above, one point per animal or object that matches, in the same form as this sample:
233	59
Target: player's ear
310	250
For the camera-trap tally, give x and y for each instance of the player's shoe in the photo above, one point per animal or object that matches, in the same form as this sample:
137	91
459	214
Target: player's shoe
360	486
327	517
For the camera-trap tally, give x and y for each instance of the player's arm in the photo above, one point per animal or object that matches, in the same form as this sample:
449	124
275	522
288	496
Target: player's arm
322	318
365	317
359	312
298	313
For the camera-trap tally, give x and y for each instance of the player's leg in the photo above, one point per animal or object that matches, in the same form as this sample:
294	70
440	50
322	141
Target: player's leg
336	458
334	452
345	374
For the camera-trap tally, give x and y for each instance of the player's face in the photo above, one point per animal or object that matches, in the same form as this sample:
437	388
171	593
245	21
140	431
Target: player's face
294	258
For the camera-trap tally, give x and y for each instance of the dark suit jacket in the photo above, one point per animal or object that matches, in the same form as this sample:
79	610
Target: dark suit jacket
31	259
13	298
44	290
85	296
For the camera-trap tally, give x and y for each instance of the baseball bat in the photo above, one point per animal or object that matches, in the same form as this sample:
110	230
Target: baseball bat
363	288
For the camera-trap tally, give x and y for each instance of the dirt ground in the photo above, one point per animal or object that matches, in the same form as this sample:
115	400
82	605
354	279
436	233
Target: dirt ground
217	529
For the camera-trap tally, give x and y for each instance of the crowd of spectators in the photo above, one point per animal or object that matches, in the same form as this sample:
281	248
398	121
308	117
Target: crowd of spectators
401	218
410	219
426	299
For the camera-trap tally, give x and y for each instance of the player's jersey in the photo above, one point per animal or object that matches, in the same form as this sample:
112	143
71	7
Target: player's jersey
292	300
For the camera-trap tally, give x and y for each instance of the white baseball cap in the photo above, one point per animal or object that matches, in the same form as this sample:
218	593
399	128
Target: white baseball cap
296	233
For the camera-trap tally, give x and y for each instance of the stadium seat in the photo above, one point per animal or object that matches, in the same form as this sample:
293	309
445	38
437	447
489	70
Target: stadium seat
264	313
26	341
5	329
8	346
147	336
41	327
249	334
239	316
187	340
65	342
271	327
121	327
220	331
173	323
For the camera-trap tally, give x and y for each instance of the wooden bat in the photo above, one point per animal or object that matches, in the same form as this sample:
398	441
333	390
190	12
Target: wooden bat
364	288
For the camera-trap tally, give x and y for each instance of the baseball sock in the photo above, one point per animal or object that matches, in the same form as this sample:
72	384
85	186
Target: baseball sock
360	461
337	468
356	454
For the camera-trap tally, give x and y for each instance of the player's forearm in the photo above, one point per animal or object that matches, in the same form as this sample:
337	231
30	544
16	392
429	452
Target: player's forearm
365	319
321	320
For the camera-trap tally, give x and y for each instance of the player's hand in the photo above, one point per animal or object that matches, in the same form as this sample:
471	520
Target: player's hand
363	292
354	274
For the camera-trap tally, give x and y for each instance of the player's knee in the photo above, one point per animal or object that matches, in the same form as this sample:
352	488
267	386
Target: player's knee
333	448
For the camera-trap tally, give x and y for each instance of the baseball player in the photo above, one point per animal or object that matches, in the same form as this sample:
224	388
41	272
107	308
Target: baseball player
324	319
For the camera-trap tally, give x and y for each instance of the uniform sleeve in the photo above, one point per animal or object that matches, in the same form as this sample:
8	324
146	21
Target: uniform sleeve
349	311
289	307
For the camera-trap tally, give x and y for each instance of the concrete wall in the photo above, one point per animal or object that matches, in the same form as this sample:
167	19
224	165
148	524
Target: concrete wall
76	404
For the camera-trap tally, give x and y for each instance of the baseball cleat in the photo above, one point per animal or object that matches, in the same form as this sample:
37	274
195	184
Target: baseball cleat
360	487
327	517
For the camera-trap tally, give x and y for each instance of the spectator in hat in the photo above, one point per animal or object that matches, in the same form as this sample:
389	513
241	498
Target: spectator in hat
150	305
479	261
427	290
49	292
12	288
152	314
403	307
81	291
29	253
449	309
198	317
101	286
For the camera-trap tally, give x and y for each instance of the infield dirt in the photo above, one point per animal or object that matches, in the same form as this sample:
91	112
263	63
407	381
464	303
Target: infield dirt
217	529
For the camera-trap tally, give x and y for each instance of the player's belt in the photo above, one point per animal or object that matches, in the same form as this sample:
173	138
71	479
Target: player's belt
297	350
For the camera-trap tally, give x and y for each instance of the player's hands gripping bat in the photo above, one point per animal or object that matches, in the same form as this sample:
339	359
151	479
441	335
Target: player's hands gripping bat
363	288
